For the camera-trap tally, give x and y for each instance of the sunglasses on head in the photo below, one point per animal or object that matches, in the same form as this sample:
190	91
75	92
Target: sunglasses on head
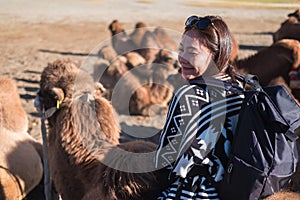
202	22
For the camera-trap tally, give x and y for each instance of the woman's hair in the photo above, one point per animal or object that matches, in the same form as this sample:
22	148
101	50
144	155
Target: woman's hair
216	37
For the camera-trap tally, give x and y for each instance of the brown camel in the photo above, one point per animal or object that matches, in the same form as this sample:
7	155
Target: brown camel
121	42
272	62
138	33
165	40
21	168
86	160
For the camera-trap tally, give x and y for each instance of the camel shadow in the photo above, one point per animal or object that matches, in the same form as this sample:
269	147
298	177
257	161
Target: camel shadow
66	53
251	47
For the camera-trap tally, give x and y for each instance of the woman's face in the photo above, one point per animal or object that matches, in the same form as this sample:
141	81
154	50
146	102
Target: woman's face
193	56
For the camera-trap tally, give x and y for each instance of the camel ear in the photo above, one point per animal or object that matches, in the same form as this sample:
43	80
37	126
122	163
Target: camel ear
59	94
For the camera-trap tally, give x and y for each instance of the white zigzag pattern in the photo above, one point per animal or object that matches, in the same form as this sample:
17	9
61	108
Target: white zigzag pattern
192	125
189	113
178	94
190	133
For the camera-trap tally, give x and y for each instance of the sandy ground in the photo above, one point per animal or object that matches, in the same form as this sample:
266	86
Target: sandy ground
33	33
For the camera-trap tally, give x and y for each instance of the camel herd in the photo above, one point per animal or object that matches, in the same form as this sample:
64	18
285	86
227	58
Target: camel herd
86	158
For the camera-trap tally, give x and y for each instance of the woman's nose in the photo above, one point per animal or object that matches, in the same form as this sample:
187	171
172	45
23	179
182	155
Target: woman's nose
182	59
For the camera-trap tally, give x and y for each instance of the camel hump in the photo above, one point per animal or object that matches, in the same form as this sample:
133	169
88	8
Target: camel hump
21	167
10	101
294	45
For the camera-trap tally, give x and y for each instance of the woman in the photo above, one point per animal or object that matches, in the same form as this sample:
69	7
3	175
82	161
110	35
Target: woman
195	142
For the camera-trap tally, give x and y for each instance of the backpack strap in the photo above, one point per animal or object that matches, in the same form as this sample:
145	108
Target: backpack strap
250	79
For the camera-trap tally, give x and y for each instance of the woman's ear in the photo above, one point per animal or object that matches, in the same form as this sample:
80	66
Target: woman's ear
59	94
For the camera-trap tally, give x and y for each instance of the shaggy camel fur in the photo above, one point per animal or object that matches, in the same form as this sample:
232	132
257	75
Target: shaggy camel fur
284	195
272	62
84	153
21	168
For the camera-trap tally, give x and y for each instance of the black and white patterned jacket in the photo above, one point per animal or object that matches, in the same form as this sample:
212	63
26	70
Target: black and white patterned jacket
195	141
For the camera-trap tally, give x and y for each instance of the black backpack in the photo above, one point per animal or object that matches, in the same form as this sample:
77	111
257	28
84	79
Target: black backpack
264	153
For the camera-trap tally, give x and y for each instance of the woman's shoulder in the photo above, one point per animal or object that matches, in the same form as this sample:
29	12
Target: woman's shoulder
214	82
222	84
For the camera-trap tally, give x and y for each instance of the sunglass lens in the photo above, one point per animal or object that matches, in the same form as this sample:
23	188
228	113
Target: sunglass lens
203	23
191	20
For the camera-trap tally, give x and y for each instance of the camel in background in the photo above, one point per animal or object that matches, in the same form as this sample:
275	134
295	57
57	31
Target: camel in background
289	29
272	64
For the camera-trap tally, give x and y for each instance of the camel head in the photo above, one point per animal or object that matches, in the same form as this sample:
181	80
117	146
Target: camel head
67	90
140	25
61	81
115	27
295	14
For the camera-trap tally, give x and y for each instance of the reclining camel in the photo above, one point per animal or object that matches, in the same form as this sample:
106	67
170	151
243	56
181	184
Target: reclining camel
85	157
145	86
21	168
142	40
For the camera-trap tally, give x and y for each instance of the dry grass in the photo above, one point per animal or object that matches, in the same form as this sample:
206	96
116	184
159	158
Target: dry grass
146	1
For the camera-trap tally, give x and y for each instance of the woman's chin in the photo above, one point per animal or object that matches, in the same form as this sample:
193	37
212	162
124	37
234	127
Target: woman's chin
188	76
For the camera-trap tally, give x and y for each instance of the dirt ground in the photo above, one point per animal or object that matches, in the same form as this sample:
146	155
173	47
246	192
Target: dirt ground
35	33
